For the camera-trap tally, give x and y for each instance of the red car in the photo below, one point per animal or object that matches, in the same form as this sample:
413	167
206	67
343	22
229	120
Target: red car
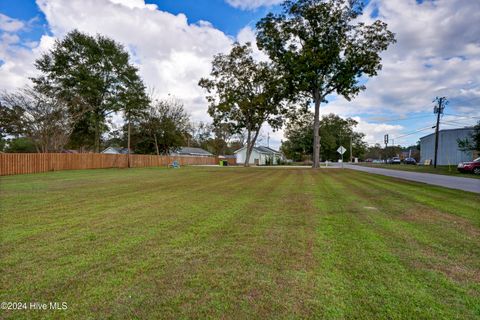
473	166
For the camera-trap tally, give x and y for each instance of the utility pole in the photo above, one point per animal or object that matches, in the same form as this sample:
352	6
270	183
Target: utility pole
268	139
351	155
385	139
438	110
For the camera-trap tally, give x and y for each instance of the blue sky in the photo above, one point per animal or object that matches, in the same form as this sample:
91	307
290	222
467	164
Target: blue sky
173	49
222	15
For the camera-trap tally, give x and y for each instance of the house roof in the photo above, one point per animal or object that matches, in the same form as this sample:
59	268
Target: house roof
262	149
193	151
117	150
445	130
267	149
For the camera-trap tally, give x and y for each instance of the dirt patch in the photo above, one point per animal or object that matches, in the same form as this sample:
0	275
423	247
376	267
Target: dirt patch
458	271
431	216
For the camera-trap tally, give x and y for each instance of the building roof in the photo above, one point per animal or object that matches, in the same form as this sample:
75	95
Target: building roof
116	150
192	151
447	130
267	149
262	149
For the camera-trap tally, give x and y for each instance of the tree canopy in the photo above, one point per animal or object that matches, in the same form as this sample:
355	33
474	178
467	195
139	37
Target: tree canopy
161	129
321	49
471	143
44	120
91	73
335	131
244	93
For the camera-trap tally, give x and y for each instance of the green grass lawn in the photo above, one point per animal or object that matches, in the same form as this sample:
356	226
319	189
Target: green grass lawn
238	243
445	170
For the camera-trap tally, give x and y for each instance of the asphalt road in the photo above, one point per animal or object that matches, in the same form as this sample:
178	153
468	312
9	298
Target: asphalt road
466	184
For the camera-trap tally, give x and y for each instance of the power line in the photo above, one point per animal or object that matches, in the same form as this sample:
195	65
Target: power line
451	124
454	115
416	131
457	122
405	135
402	119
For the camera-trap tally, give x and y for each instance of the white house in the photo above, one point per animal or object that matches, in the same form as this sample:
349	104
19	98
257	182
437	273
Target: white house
260	156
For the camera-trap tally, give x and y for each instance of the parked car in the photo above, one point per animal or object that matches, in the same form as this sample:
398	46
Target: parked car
394	160
369	160
410	161
472	167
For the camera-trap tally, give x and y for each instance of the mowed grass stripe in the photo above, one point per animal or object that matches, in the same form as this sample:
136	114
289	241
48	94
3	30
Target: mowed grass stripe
233	267
400	250
170	259
115	188
89	222
106	256
443	242
77	208
238	243
455	202
361	268
430	231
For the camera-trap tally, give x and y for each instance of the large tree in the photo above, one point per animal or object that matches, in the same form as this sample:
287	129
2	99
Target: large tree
44	120
91	73
321	49
162	129
244	93
134	105
216	139
335	131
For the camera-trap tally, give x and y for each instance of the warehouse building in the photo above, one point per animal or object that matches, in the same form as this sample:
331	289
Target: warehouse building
448	152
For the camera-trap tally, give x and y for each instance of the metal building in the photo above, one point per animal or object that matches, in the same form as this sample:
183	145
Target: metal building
448	153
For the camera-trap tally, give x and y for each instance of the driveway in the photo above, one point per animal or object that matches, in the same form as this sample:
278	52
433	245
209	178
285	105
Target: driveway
465	184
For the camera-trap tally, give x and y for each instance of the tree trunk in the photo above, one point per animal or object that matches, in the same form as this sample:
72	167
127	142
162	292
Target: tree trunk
128	145
97	134
316	131
250	145
249	149
156	144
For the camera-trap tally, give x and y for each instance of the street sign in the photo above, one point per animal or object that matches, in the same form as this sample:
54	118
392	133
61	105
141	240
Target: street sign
341	150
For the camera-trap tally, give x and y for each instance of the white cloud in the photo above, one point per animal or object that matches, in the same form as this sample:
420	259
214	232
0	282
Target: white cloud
247	34
374	132
135	4
252	4
17	59
9	24
437	54
172	55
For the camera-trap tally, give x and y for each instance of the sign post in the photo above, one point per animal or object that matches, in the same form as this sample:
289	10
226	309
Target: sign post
341	150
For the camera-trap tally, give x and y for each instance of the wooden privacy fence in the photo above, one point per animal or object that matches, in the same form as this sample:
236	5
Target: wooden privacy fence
21	163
